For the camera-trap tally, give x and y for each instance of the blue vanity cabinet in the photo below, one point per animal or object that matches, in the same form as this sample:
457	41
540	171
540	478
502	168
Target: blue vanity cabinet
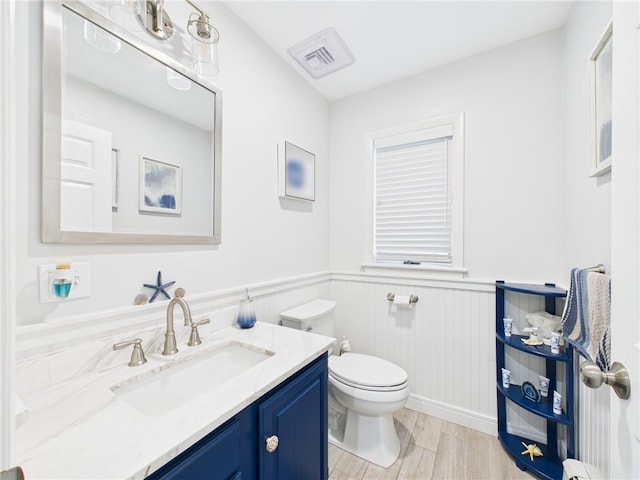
215	457
295	412
293	427
548	466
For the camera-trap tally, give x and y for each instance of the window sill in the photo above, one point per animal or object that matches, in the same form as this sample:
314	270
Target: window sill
422	270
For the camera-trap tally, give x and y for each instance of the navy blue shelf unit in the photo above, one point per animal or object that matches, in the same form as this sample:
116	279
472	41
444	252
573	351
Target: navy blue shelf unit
549	466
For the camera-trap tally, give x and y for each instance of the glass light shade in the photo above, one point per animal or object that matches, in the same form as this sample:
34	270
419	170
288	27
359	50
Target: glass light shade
124	13
205	57
101	39
177	80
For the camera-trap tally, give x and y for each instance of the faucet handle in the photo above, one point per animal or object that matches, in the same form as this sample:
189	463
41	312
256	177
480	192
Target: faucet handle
194	338
137	356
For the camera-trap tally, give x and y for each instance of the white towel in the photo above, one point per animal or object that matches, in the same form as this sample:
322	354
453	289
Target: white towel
586	320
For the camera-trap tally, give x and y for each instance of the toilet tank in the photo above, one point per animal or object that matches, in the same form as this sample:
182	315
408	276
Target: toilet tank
309	316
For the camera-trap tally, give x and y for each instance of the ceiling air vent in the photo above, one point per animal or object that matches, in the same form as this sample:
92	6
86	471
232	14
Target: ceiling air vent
322	54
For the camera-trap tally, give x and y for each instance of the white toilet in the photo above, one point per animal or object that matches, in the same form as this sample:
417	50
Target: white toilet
364	392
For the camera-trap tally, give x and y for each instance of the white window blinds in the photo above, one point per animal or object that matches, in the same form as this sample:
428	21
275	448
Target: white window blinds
412	203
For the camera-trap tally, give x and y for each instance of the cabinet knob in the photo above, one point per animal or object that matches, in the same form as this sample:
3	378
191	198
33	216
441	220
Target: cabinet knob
272	443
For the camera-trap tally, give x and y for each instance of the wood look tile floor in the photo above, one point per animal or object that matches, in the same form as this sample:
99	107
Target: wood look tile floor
432	449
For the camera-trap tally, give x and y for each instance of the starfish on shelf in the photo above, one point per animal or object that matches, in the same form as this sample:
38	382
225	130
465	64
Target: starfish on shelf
532	449
159	288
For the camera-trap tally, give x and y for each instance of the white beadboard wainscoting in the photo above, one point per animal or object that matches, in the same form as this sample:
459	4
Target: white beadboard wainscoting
445	342
270	298
593	428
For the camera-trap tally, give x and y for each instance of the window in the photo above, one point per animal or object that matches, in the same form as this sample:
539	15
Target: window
417	183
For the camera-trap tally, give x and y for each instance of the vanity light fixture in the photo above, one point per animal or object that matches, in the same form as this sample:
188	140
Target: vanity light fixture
204	42
101	39
204	45
124	13
177	80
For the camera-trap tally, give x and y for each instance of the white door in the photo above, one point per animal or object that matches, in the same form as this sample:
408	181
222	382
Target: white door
86	184
625	241
7	234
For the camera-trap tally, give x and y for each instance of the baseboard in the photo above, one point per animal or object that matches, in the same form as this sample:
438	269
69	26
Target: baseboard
466	418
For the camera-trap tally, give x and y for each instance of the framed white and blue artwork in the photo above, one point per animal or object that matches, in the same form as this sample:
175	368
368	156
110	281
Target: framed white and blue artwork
160	187
600	89
296	172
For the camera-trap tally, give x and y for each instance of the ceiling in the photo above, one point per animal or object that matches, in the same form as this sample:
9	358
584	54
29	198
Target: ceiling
395	39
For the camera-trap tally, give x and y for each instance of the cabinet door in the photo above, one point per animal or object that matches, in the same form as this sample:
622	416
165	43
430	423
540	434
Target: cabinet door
297	416
215	457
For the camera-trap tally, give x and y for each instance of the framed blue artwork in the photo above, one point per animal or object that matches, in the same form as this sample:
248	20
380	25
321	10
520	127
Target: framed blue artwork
160	187
296	172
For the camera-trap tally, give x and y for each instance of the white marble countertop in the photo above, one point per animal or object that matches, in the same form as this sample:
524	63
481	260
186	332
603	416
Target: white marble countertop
77	428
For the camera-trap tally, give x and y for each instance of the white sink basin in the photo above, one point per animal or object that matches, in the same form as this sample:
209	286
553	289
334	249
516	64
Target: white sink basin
176	383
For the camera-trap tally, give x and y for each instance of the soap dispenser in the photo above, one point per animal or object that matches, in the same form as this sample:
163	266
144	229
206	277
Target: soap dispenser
246	312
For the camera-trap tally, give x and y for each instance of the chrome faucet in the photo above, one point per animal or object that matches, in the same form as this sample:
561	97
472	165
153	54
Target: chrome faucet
170	336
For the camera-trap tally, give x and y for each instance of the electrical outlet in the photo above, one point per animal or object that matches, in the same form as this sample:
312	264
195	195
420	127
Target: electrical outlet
79	275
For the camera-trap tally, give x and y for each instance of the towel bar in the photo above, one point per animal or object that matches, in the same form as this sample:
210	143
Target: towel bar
617	377
598	268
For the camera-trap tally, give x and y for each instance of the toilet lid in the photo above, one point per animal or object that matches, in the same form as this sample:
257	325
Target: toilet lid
364	370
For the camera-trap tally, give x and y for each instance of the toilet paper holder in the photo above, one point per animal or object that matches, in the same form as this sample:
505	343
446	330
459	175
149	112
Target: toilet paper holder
413	298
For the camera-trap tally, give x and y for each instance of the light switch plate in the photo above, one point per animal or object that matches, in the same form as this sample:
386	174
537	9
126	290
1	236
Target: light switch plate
81	284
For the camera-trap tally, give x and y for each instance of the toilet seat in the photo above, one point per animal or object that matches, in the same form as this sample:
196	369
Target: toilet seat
366	372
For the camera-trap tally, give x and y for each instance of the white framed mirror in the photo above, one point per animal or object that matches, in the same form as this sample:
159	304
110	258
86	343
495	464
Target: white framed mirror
131	138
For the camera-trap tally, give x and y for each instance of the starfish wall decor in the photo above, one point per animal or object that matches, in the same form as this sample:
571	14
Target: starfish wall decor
159	288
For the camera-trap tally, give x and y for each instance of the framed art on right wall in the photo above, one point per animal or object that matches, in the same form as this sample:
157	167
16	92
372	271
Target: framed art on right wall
600	88
296	172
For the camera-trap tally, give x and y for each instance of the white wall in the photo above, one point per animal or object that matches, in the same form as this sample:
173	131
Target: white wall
512	102
531	214
263	237
586	201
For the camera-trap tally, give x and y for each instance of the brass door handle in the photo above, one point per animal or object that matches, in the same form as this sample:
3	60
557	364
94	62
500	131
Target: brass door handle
272	443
